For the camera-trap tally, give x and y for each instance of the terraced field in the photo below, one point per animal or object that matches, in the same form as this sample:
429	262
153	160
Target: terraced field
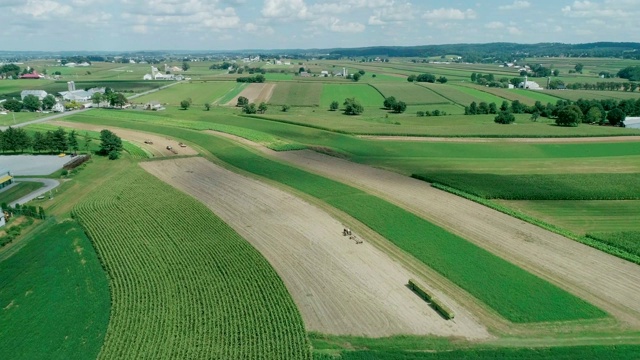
184	286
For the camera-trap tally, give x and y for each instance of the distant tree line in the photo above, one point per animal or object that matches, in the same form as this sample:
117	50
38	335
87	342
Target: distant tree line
429	78
18	140
565	112
252	79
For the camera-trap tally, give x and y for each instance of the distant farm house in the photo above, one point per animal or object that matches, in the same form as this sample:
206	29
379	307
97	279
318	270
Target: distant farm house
632	122
33	75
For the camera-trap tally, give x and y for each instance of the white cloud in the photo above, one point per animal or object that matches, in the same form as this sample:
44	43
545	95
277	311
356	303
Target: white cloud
288	9
517	5
334	24
43	8
444	14
609	9
514	30
494	25
392	14
258	29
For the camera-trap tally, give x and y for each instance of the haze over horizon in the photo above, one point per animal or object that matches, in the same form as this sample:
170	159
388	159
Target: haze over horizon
124	25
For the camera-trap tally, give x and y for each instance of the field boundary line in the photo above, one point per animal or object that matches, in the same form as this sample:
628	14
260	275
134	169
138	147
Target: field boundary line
439	94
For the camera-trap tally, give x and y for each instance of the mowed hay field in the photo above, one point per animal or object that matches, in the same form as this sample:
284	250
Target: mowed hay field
365	94
54	296
199	92
410	93
184	284
296	94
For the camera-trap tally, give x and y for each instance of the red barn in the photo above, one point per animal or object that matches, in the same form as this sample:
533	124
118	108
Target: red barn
33	75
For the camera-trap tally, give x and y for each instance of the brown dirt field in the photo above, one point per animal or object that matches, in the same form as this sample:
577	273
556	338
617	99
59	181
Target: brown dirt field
256	93
340	287
158	148
517	140
611	283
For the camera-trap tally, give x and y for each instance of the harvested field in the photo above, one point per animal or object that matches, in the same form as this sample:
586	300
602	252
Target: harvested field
256	93
158	148
339	286
602	279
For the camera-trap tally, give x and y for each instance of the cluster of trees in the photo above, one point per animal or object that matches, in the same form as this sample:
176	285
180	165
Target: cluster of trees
630	73
537	70
568	113
430	78
26	210
252	79
110	144
30	103
223	66
356	77
605	86
7	70
435	112
352	106
253	109
250	70
481	109
18	140
397	106
186	103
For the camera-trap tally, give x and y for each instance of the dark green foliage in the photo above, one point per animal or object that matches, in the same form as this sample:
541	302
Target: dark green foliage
12	105
73	141
442	80
31	103
626	240
621	186
389	102
110	144
49	101
252	79
334	106
615	117
285	108
430	78
411	78
249	108
504	117
569	116
184	104
242	101
399	107
59	295
353	107
631	73
609	352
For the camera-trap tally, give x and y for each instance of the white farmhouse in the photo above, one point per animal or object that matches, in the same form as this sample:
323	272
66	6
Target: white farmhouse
58	107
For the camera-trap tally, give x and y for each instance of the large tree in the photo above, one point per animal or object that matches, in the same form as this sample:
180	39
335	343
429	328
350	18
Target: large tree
184	104
353	107
504	117
117	99
39	142
334	106
569	116
399	107
59	141
97	98
48	102
110	144
242	101
73	141
616	117
32	103
262	108
185	66
12	105
389	102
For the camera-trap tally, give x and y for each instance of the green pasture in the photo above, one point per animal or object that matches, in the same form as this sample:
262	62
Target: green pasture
54	296
510	291
297	94
278	76
365	94
537	95
382	77
12	118
19	190
200	93
410	93
575	95
582	217
478	95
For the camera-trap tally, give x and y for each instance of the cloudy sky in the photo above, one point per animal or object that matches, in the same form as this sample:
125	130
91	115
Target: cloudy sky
267	24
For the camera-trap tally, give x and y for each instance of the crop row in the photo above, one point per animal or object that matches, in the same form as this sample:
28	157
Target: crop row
436	303
600	186
512	292
184	284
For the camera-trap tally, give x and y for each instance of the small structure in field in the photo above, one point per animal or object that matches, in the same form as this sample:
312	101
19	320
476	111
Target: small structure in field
632	122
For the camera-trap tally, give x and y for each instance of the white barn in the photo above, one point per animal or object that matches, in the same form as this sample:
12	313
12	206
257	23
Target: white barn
632	122
39	93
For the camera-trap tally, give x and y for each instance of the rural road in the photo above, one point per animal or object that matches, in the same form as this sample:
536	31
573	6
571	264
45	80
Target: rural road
67	113
49	184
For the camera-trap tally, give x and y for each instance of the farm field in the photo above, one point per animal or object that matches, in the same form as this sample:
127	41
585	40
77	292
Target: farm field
410	93
368	296
184	259
365	94
575	95
296	94
351	200
461	95
53	288
256	93
199	92
479	95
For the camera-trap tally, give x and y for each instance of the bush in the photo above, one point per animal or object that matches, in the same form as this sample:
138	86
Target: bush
285	108
504	117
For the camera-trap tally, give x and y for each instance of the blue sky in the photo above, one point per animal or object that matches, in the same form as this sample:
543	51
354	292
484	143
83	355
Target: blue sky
241	24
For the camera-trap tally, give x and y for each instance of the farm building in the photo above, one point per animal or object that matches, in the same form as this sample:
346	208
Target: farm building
80	95
39	93
6	179
531	85
58	107
34	75
632	122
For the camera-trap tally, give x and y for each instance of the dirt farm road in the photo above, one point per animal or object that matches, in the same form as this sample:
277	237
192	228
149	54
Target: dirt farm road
340	287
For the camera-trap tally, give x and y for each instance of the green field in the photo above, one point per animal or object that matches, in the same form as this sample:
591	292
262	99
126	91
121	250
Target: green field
461	95
365	94
19	190
589	186
183	283
199	93
510	291
54	296
575	95
627	240
296	94
410	93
